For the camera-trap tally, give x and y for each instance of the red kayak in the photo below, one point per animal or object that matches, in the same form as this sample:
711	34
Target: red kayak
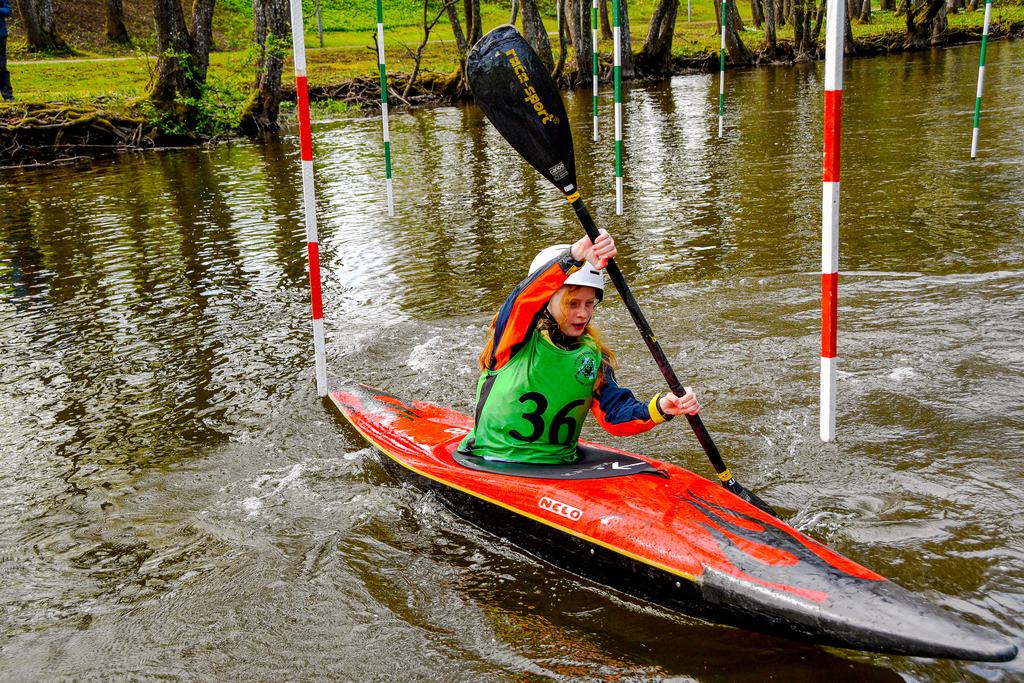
665	534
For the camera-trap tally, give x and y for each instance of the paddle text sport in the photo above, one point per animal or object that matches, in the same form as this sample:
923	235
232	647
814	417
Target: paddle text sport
531	93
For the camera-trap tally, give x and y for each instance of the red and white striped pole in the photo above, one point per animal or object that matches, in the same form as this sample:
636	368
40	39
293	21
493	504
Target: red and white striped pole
830	213
308	194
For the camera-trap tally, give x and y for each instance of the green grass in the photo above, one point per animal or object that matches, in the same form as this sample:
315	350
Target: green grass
350	52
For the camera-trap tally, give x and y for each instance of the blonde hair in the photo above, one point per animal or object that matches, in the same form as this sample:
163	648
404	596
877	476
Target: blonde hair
607	355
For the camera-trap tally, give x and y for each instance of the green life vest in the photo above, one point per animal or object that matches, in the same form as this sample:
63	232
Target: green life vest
532	409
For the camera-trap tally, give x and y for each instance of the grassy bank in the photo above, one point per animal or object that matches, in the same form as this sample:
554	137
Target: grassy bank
349	47
92	103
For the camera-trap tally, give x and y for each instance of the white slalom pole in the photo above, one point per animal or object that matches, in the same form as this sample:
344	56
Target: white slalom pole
830	213
617	77
981	79
384	107
593	33
721	76
309	195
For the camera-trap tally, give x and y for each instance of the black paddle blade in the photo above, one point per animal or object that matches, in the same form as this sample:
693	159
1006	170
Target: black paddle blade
751	498
517	94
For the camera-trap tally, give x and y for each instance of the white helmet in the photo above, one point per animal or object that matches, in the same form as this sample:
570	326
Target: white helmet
587	276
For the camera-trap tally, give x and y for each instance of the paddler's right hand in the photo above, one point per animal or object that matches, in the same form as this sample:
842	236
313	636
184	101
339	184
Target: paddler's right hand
598	253
670	404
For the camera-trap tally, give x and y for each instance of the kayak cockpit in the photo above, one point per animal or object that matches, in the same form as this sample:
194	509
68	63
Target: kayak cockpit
591	463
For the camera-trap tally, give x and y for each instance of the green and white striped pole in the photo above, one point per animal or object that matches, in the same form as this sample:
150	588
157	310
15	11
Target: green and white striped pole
981	79
593	33
721	77
617	74
384	107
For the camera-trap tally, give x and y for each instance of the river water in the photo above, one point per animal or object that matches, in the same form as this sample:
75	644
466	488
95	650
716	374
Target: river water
175	502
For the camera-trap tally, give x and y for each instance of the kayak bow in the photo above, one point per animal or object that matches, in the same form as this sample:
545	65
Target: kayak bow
664	534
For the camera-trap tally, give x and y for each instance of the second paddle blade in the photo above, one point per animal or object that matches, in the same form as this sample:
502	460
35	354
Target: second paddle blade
517	94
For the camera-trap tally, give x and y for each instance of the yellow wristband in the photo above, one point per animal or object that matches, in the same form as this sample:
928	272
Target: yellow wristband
657	417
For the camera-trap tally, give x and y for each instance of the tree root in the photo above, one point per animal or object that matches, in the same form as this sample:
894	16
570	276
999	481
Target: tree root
37	133
363	91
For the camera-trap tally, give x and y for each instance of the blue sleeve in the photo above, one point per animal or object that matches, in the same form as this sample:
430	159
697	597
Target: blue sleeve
619	411
5	8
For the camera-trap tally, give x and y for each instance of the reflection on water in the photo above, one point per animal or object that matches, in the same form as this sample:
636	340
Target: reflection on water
176	503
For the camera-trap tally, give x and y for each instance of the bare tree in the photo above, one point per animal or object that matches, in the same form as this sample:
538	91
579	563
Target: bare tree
41	27
428	26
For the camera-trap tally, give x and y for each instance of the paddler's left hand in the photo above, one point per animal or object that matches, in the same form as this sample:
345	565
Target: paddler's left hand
671	404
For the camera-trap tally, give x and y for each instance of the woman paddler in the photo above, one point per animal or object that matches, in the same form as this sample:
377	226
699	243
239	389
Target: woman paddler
545	365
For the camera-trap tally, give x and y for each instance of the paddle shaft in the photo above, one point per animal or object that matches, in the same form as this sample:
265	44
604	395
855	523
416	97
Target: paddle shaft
655	348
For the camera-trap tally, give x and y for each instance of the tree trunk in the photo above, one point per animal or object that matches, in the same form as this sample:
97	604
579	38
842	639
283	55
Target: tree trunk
785	15
515	13
885	5
919	20
180	74
738	52
940	24
40	27
536	34
626	41
270	23
655	57
606	24
578	21
460	37
115	30
556	73
756	14
202	35
849	46
769	47
822	8
802	47
457	86
474	28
